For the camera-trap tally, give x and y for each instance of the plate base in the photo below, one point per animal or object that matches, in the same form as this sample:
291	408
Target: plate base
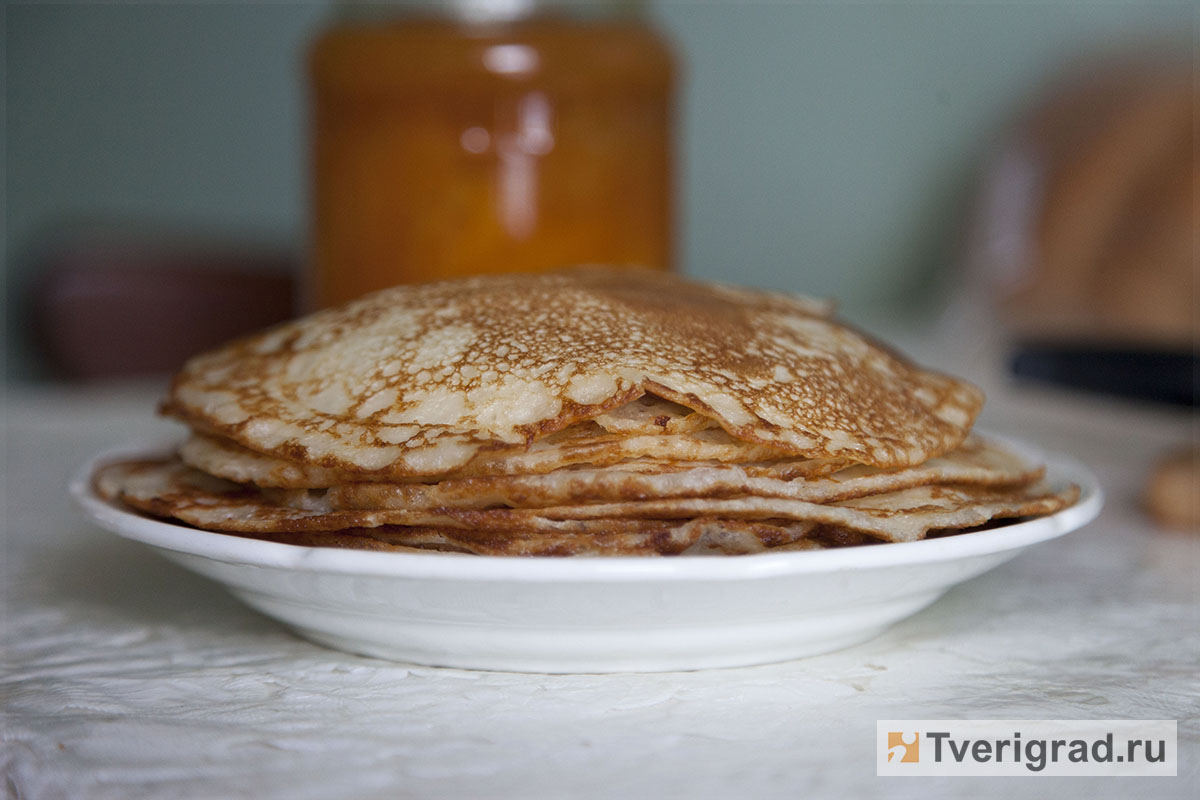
587	649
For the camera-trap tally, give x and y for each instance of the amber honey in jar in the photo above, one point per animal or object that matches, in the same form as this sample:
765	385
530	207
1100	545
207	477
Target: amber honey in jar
485	136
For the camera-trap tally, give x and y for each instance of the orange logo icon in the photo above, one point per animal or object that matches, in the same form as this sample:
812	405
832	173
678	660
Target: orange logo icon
903	747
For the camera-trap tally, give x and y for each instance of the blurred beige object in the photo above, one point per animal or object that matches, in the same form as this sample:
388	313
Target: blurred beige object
1101	244
1173	492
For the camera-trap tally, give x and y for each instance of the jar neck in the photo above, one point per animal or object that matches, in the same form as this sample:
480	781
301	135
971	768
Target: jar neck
484	12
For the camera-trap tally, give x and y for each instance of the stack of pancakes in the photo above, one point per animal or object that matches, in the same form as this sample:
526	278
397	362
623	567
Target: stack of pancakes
585	412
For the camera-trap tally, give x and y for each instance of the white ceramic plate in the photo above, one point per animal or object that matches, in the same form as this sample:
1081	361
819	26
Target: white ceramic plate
590	614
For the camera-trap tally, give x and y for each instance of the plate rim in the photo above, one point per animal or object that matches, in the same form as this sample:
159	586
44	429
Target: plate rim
239	550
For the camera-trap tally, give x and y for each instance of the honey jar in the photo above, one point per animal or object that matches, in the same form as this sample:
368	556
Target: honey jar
486	136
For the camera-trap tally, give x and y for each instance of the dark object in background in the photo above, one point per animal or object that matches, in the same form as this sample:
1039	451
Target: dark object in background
125	308
1155	375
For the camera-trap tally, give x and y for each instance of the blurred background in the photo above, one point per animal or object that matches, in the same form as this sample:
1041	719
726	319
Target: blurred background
875	153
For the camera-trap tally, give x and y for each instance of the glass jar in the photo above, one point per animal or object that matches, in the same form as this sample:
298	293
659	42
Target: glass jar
504	136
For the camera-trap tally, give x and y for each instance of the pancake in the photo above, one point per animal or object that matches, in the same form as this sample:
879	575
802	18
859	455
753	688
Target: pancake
694	537
581	444
418	380
591	412
976	462
170	488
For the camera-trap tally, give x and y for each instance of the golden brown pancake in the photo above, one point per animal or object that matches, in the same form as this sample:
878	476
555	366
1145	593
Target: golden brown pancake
172	489
584	443
587	412
417	380
975	462
668	537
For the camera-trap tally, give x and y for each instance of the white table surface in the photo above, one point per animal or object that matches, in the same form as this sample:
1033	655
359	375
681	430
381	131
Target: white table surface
125	676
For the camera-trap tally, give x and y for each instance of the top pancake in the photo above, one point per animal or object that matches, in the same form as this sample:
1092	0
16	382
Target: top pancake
416	380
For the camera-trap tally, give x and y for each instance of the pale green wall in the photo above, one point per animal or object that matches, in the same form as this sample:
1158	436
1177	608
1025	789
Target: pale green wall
832	147
828	147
